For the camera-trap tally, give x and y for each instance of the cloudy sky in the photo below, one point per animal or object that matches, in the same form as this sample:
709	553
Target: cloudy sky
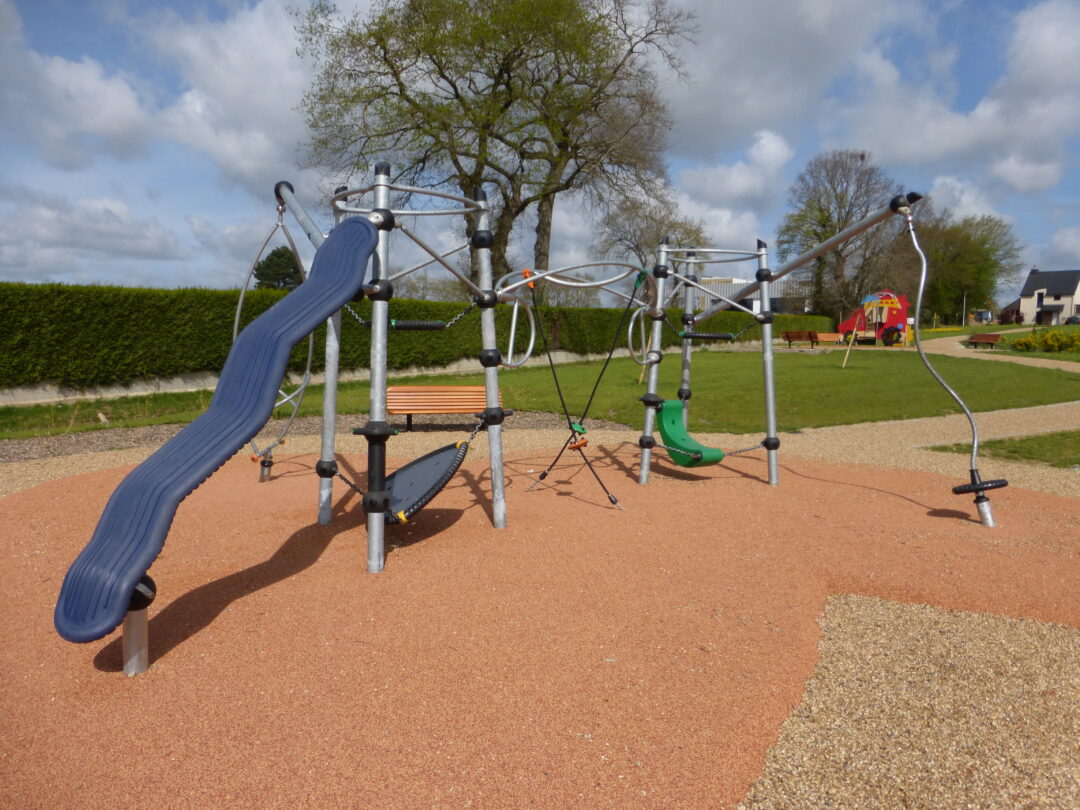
140	141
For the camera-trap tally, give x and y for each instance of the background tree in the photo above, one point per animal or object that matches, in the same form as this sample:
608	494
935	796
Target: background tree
833	192
278	271
968	259
632	229
529	97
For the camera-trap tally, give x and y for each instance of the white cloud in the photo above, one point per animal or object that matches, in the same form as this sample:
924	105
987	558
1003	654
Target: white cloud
1064	252
69	110
756	182
45	236
963	197
764	64
727	228
244	83
1028	175
1020	127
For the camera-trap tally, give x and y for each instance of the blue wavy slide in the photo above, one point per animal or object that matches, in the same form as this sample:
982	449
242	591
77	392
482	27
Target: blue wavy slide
132	529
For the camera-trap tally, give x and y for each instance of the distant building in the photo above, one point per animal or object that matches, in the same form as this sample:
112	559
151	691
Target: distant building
1010	313
1049	298
787	296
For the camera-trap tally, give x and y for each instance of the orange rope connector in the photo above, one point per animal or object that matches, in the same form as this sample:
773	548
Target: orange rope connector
526	273
579	444
254	458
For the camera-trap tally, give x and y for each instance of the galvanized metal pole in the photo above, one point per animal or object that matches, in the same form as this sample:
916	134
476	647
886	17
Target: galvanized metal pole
331	369
689	305
772	442
380	322
490	358
653	358
284	193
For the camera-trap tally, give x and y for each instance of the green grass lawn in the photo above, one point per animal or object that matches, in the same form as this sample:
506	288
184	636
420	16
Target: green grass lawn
1061	449
728	394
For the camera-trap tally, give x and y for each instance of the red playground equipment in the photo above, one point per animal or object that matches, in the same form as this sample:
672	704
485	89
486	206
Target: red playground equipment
882	315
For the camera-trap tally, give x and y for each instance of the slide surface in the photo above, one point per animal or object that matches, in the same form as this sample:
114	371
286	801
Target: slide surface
136	519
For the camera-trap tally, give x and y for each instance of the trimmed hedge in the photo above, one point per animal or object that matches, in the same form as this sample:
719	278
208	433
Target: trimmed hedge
83	336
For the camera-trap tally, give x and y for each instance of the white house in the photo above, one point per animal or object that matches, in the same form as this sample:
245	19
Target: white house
1050	297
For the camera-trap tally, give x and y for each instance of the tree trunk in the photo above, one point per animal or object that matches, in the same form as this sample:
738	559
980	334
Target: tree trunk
545	210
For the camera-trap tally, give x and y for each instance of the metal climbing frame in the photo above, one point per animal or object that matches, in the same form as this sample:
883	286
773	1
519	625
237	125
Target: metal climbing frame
898	206
676	266
348	202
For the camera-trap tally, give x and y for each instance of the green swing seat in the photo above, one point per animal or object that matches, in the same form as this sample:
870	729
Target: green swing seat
688	452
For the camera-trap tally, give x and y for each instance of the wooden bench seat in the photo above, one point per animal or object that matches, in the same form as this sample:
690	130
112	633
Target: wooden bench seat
828	337
990	339
412	399
799	337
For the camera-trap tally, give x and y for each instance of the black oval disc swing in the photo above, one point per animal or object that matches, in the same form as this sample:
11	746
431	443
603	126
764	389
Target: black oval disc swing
413	486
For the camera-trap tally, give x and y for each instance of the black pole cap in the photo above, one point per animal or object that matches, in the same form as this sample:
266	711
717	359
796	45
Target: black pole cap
277	189
144	594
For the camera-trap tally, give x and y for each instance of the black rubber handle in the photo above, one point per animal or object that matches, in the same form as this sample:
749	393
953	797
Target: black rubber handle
965	489
708	335
417	326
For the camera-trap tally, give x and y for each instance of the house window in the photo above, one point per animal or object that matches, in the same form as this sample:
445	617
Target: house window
1039	300
1057	297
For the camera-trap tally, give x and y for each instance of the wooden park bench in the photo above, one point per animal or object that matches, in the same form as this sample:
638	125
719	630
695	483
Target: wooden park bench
990	339
800	337
828	337
412	399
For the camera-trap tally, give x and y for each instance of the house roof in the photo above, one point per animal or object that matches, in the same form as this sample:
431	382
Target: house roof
1013	305
1055	282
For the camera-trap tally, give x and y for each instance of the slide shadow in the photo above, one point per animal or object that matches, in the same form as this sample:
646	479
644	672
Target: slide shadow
197	609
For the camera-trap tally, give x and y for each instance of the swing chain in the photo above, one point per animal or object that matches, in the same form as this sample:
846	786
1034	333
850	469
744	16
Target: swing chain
678	450
744	330
351	485
461	315
449	323
744	450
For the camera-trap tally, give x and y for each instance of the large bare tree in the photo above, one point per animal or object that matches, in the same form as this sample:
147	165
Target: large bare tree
634	227
530	97
833	192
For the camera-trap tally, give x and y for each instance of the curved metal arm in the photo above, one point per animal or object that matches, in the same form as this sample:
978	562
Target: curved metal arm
339	201
555	277
638	317
508	356
909	221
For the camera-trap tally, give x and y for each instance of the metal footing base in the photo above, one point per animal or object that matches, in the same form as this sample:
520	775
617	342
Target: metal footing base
136	643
